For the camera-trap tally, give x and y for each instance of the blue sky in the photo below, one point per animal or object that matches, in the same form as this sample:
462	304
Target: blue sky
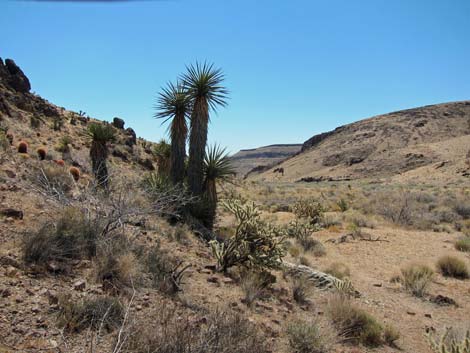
294	67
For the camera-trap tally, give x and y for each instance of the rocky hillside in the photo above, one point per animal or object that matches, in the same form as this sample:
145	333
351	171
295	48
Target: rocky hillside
262	158
430	142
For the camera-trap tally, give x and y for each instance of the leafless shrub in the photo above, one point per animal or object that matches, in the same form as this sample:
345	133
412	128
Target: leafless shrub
254	285
309	337
219	332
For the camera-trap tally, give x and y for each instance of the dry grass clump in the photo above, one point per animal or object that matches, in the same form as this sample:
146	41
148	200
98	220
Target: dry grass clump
451	266
463	244
451	341
313	245
219	332
52	181
72	236
416	279
300	290
338	270
354	324
101	312
116	267
308	337
391	335
254	285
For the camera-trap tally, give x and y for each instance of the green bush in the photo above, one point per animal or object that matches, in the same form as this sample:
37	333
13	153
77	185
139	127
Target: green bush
451	266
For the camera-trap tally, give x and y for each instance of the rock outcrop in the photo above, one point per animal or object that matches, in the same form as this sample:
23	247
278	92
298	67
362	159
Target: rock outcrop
12	76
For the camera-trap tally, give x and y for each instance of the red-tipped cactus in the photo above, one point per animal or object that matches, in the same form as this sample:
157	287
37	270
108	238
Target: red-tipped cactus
59	162
75	172
41	151
22	147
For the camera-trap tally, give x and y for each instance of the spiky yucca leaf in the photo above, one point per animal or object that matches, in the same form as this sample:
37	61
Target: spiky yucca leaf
217	164
205	81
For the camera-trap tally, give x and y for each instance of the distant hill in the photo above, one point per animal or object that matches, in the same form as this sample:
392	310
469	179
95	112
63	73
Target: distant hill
263	157
429	142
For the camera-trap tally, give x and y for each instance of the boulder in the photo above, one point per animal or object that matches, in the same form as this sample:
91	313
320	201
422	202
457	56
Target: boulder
13	76
132	137
118	123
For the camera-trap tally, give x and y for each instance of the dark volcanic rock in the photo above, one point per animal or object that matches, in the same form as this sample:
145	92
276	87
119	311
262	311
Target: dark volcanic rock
11	212
12	76
118	123
132	137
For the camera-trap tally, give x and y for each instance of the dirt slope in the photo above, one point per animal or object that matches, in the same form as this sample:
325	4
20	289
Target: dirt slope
261	158
387	146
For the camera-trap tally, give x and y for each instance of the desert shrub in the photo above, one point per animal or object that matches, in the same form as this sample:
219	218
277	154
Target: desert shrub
330	220
41	153
116	267
310	209
164	271
448	344
302	232
391	335
463	210
360	220
354	324
254	244
220	332
75	173
307	337
342	205
300	290
96	313
72	236
463	244
52	181
416	279
313	245
338	270
4	142
451	266
35	121
57	123
64	144
304	261
254	285
22	147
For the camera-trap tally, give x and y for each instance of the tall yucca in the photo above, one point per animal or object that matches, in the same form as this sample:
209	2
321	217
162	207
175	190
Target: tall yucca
217	169
100	135
174	103
203	85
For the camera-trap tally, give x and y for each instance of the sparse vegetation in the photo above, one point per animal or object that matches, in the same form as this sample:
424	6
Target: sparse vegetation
300	290
221	331
310	209
451	266
448	344
307	337
254	285
354	324
463	244
338	270
101	312
72	236
416	278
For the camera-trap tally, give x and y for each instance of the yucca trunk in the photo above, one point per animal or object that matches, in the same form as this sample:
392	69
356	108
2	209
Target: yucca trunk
210	197
98	155
197	145
179	132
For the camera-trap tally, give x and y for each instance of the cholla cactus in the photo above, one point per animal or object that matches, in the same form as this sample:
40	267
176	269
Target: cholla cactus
22	147
254	244
75	172
310	209
41	153
446	345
